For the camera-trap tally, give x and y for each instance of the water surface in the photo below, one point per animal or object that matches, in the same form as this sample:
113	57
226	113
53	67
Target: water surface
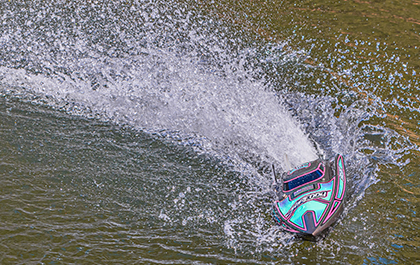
144	131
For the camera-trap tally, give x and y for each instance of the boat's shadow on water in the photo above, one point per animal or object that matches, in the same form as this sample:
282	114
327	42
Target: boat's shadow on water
306	237
319	238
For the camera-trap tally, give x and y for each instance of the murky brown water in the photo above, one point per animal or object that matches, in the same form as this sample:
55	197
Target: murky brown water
141	132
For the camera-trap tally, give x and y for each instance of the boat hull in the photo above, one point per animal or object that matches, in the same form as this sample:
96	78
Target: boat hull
311	208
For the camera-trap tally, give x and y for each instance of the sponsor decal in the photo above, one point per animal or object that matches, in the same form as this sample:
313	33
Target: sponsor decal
302	190
304	199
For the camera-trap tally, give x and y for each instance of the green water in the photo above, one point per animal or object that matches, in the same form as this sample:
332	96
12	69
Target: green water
144	132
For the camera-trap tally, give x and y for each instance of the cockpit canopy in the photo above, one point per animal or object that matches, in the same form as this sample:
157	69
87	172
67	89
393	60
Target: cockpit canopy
303	175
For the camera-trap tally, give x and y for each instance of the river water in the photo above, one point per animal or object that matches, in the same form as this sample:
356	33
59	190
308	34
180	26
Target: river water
142	132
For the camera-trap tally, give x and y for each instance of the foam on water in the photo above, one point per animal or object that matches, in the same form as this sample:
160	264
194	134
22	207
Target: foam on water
165	92
185	81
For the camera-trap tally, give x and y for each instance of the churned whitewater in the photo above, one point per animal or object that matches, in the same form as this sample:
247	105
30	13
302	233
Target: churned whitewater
144	132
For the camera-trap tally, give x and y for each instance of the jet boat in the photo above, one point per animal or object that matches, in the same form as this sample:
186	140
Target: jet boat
311	196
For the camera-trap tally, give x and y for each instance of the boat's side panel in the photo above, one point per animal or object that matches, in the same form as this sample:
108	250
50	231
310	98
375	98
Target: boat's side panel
341	174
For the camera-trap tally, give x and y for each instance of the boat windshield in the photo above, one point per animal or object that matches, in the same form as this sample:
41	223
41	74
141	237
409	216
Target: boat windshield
290	185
